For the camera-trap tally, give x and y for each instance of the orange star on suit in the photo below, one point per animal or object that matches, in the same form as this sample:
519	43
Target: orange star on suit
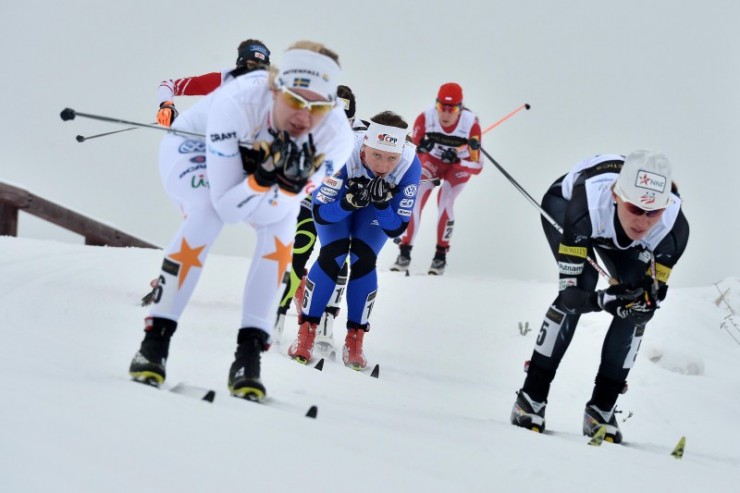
282	256
187	257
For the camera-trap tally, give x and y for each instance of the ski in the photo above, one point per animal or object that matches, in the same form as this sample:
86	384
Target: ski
268	401
679	448
193	391
374	371
181	388
319	365
209	395
598	437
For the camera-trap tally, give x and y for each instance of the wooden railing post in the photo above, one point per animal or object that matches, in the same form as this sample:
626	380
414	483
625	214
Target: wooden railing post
8	220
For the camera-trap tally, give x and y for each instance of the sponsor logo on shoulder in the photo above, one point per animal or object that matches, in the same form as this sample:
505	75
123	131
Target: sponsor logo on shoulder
192	145
410	190
573	251
406	203
568	282
193	169
332	182
404	212
222	136
569	269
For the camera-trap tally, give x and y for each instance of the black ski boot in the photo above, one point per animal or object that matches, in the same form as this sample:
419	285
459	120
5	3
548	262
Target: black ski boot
404	259
148	365
528	413
439	262
529	408
594	418
601	409
244	375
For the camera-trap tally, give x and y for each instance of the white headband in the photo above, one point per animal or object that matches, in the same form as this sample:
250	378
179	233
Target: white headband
306	69
385	138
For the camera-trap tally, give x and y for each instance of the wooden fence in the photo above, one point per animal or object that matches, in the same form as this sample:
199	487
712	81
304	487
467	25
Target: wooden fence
14	199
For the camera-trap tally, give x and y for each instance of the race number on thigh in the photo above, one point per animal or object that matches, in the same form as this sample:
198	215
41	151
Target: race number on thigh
549	331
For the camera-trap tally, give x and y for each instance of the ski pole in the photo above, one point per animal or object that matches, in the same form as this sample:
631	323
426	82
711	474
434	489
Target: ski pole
490	127
544	214
70	114
82	138
525	106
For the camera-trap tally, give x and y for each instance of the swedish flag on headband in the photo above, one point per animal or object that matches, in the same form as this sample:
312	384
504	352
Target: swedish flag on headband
301	82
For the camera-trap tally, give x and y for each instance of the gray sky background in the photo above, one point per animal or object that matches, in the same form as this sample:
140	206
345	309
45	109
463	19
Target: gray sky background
600	76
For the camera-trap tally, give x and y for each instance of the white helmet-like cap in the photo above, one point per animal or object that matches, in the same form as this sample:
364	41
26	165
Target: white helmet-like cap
645	180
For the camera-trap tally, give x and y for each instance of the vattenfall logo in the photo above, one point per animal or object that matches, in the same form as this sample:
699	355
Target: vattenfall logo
387	139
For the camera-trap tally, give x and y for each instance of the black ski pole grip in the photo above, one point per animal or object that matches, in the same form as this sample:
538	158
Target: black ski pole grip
68	114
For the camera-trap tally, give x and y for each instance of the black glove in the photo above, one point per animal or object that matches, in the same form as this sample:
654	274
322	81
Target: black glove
425	145
641	311
474	144
267	171
356	194
299	167
381	192
255	161
282	149
289	167
449	156
254	157
617	300
655	291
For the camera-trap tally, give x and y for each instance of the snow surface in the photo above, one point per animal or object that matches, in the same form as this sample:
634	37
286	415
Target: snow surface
436	420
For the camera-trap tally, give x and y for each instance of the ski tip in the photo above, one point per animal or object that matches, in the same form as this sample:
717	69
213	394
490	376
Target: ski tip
210	396
679	448
313	411
376	371
598	437
320	365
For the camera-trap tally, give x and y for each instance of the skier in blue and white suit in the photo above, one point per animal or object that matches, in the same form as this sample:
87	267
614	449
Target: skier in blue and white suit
368	201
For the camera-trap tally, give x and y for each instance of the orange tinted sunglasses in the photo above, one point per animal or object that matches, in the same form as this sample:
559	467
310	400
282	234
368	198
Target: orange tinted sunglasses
449	108
298	102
